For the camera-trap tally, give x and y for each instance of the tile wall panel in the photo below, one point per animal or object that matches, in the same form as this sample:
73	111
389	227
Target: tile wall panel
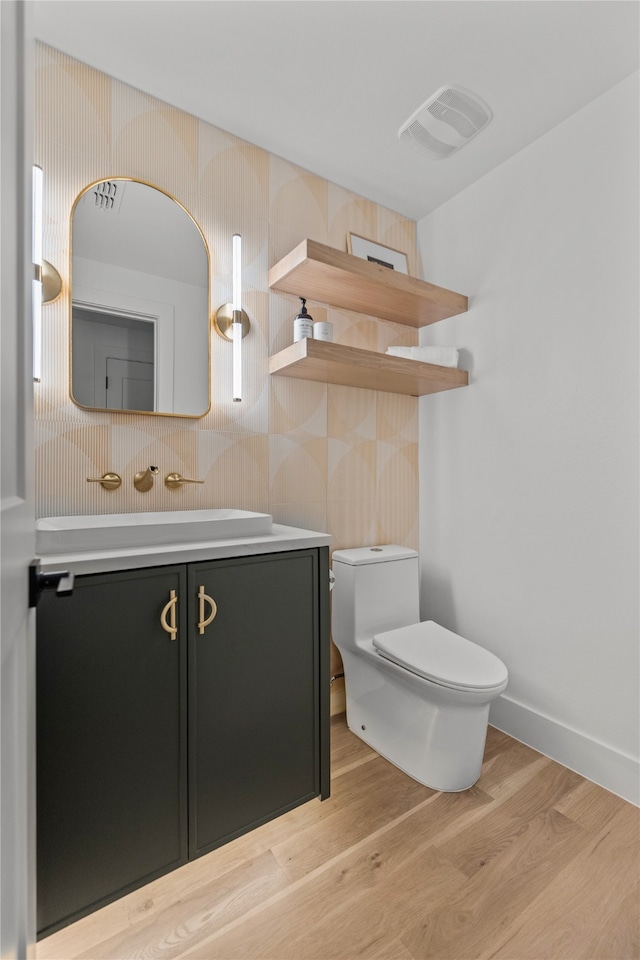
332	458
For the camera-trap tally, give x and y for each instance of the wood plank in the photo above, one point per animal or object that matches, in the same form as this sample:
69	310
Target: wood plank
502	772
310	359
457	928
347	750
590	805
350	823
318	272
473	848
601	882
389	950
496	743
185	924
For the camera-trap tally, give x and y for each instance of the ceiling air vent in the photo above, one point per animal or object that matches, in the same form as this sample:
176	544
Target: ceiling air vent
445	122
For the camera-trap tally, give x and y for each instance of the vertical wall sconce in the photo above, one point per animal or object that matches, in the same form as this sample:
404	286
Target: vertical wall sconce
232	322
37	260
47	283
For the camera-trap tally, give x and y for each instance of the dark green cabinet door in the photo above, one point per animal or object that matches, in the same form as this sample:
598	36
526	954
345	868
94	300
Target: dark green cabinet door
253	693
111	740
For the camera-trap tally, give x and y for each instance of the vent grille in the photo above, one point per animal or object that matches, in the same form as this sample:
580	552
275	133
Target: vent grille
464	127
445	122
416	133
472	109
105	196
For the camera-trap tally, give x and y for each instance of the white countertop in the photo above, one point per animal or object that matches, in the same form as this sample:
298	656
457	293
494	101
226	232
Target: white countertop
280	539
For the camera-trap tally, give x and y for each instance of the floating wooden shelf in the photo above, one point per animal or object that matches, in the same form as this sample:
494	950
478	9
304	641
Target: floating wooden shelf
310	359
318	272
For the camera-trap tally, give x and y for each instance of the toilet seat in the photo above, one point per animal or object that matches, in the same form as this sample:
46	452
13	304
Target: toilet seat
441	656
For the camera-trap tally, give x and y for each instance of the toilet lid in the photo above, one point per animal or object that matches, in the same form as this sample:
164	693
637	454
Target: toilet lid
437	654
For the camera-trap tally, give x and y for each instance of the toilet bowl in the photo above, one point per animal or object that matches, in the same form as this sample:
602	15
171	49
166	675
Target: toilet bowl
417	693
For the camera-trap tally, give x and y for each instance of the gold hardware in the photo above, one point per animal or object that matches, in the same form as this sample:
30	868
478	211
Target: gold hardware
51	282
143	479
173	481
224	319
108	481
170	608
202	596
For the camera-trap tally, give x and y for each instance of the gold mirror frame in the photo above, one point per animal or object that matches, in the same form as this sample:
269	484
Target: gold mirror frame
155	413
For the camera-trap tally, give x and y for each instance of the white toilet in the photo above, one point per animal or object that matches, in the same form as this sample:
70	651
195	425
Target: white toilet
416	692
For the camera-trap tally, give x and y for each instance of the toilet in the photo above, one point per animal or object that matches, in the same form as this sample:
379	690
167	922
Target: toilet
416	692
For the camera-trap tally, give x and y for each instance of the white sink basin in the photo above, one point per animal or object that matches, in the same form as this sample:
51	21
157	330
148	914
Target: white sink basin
105	531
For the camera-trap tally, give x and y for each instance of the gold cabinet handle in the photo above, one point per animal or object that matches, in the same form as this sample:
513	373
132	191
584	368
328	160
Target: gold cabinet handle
202	623
174	480
108	481
170	609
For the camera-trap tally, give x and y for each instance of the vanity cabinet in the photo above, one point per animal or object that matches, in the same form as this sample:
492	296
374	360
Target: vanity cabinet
153	750
253	694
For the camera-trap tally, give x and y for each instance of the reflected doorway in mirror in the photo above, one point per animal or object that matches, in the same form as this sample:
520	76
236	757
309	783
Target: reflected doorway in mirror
114	360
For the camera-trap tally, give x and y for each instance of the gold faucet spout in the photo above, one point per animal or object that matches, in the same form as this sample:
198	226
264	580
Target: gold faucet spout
143	480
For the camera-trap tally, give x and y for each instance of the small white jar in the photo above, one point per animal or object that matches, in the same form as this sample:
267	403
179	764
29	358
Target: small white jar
323	330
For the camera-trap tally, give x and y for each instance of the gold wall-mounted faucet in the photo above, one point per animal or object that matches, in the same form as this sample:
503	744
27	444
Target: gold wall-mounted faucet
143	479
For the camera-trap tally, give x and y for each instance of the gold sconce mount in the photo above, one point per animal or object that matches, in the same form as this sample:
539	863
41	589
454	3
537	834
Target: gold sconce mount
224	320
51	282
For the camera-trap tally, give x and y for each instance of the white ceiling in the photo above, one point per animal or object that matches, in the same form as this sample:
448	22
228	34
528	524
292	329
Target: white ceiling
327	83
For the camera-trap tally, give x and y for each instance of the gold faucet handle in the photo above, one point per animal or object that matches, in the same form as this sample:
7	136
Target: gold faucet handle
174	480
108	481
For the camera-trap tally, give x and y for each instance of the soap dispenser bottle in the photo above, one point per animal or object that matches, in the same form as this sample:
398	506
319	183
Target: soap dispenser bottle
303	323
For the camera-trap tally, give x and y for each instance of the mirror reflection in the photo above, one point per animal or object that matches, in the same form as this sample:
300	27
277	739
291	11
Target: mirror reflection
140	302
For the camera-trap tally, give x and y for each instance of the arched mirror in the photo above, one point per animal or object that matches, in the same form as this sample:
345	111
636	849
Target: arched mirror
140	302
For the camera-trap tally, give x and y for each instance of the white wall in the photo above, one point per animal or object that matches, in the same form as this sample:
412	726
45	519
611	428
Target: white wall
529	477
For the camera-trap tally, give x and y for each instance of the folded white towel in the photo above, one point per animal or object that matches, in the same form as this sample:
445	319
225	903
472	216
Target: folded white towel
443	356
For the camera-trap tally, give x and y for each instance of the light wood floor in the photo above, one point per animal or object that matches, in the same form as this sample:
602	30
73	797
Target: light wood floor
534	862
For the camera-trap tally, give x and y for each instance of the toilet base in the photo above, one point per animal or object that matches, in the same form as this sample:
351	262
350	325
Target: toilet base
437	741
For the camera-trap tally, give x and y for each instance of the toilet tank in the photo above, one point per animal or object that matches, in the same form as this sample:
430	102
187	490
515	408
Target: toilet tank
375	589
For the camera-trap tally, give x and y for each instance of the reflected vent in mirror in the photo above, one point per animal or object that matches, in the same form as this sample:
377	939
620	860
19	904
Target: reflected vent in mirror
106	196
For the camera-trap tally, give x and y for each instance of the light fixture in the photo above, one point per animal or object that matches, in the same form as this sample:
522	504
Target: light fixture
46	285
232	322
36	257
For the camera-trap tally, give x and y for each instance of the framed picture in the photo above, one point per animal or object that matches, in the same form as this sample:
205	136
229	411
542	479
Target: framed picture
376	253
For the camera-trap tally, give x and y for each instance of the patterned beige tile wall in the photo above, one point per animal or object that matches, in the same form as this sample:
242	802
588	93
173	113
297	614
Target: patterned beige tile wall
323	457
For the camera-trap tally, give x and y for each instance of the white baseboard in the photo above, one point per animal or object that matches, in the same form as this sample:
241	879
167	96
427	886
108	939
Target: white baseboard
616	772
